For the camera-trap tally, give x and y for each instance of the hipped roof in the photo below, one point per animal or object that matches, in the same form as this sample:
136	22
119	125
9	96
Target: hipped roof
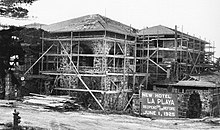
156	30
203	80
94	22
163	30
213	77
202	84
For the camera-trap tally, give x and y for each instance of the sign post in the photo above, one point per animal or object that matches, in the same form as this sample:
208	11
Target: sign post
159	104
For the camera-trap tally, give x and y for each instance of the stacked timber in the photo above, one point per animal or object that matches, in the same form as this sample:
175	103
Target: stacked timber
58	103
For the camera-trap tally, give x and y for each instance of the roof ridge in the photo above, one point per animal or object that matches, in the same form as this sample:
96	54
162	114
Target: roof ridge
158	29
119	23
92	22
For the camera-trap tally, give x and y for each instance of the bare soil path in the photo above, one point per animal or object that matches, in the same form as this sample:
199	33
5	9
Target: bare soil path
52	120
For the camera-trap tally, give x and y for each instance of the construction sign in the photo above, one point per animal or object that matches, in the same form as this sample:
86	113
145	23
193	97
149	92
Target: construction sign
159	104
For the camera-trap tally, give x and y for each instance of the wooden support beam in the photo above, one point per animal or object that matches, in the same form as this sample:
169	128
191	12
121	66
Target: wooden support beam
121	48
119	74
105	62
184	49
147	58
144	79
164	39
38	59
191	57
114	84
148	55
135	64
128	102
158	65
124	68
114	65
80	90
195	64
88	39
71	74
42	50
78	46
91	55
152	53
95	91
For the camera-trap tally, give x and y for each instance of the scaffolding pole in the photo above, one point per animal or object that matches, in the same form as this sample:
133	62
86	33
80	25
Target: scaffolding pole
38	59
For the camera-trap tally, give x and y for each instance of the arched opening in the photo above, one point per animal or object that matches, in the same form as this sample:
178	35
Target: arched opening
83	60
194	106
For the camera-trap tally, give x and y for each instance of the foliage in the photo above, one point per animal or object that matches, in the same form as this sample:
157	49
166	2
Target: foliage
10	44
14	8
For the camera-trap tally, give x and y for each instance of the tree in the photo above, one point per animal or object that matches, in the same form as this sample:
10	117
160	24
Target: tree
14	8
10	41
10	46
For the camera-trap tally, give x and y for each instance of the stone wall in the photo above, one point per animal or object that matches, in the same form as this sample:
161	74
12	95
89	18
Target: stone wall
183	96
100	65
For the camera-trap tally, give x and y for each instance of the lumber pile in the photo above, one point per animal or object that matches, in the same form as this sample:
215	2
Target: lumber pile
57	103
7	103
211	120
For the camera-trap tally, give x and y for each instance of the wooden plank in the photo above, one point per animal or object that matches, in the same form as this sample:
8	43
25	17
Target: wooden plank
158	65
87	39
95	91
38	59
74	39
194	65
92	55
71	74
54	102
80	90
121	74
128	102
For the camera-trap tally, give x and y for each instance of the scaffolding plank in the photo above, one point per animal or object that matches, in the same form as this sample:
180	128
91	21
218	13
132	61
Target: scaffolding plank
71	74
96	91
121	74
80	90
88	39
92	55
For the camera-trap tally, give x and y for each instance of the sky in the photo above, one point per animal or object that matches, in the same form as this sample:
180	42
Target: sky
200	18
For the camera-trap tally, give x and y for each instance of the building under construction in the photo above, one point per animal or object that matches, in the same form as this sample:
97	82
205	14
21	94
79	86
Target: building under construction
177	61
104	62
91	55
179	53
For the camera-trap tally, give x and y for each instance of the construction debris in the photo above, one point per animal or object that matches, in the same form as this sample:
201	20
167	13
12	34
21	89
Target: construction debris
211	120
57	103
7	103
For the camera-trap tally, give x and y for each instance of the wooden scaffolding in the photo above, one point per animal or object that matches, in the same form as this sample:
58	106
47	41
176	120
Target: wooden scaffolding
173	55
100	63
104	62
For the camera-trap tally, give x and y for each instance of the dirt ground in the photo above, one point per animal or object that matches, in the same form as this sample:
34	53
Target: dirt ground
35	116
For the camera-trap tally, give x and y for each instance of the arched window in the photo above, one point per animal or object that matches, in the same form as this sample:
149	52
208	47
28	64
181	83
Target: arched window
83	60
